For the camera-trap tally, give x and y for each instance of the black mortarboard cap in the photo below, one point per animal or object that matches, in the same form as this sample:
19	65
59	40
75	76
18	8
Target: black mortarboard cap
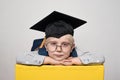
57	17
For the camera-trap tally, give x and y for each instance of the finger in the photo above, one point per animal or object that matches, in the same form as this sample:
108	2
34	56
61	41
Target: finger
67	61
69	58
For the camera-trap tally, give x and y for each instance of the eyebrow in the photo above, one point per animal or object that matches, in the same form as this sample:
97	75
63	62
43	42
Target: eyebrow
68	39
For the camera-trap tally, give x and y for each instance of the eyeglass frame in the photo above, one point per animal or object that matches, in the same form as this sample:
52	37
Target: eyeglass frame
56	46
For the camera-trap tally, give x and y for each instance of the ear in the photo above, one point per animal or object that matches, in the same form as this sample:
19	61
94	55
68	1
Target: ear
73	46
45	46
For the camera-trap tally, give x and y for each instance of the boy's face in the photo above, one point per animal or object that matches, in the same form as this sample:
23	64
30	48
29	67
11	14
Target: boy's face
59	48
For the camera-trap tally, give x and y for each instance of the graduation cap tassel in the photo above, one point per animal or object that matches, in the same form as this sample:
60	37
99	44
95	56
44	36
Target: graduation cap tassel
42	44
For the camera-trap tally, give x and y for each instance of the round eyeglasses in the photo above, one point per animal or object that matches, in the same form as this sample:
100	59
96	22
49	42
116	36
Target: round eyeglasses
52	46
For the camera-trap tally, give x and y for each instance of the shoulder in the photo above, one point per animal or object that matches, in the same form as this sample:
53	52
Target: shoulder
36	43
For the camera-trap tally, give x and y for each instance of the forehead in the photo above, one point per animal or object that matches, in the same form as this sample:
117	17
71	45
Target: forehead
65	38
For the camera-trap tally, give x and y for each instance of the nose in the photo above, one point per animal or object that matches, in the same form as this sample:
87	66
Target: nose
58	48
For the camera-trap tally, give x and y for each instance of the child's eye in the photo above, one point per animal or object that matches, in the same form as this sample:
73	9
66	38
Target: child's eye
65	44
53	43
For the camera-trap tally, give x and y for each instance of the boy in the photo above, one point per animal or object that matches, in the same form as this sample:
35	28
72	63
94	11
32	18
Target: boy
58	46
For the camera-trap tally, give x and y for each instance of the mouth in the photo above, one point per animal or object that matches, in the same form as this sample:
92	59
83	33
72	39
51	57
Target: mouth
58	55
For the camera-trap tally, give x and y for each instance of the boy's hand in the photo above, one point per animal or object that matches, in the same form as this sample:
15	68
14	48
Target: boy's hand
71	61
67	62
49	60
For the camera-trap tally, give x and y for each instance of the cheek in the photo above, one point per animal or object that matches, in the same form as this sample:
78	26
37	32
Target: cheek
50	53
67	52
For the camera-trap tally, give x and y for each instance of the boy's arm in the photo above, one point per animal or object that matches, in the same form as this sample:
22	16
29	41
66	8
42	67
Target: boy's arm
85	58
33	58
30	58
92	58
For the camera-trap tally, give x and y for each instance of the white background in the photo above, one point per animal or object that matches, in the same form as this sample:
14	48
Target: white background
101	34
